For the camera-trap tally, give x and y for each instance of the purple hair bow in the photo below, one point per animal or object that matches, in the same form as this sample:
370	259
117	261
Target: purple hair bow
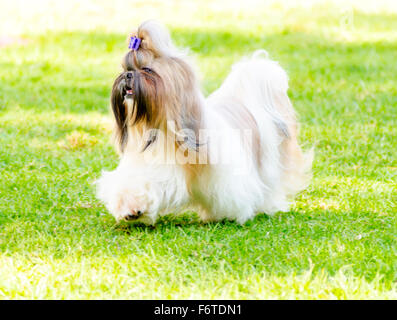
134	43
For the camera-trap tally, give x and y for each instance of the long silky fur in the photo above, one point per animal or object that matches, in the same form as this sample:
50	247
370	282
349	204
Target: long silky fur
119	110
241	176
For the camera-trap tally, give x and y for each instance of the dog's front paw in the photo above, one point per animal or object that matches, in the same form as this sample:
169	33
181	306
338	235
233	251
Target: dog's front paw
127	205
124	200
129	215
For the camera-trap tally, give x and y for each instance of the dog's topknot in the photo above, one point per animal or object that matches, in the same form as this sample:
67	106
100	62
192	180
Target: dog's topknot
155	43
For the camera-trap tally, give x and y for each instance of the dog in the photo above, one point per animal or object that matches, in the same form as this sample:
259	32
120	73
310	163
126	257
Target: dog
230	156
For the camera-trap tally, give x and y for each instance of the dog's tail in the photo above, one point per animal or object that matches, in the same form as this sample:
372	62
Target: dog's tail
266	81
262	84
261	53
295	162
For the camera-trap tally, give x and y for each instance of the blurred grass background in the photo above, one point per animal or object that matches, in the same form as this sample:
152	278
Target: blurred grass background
57	63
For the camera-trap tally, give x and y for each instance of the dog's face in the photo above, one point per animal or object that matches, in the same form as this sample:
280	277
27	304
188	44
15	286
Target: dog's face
141	89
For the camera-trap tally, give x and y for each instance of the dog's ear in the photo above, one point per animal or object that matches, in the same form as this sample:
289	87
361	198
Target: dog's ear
188	126
119	110
148	99
187	111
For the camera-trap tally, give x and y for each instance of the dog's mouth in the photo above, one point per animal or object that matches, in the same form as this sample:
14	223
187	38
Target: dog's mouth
125	88
128	92
128	84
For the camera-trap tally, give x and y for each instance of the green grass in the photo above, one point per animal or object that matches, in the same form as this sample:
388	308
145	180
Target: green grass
337	242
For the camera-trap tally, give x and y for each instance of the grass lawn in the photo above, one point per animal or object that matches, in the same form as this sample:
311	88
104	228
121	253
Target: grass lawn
337	242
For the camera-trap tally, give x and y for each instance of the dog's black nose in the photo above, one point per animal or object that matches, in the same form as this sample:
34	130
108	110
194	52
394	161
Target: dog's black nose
129	75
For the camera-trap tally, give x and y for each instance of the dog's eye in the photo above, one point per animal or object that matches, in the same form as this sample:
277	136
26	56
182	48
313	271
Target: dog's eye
147	69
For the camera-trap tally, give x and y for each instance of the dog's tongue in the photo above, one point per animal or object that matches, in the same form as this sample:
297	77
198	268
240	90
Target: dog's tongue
129	91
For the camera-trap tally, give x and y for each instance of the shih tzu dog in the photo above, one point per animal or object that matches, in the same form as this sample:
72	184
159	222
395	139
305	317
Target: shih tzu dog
228	156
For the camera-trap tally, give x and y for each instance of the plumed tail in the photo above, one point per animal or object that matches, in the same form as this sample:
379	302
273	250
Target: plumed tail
263	84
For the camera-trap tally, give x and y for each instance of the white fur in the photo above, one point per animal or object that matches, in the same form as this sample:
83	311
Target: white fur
232	185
